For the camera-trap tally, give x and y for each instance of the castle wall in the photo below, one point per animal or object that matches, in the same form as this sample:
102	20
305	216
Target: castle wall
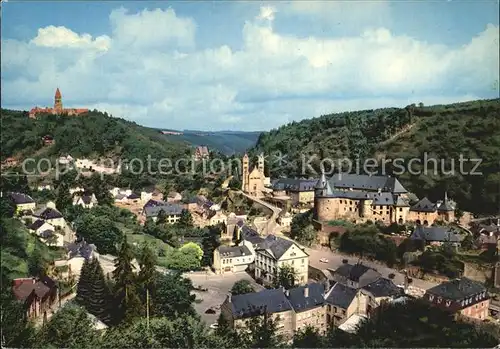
414	216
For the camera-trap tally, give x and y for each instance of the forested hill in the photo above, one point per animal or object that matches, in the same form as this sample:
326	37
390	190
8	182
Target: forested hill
90	135
440	131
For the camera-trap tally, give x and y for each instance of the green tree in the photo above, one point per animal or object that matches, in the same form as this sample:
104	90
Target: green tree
185	259
263	332
37	264
63	200
285	277
70	327
186	219
161	218
172	296
147	273
84	286
193	247
7	208
125	289
100	294
308	338
241	287
17	332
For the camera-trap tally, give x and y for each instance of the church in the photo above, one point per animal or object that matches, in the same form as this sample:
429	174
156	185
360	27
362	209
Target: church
254	181
58	108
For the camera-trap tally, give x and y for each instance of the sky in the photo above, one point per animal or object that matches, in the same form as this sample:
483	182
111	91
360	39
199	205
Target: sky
248	66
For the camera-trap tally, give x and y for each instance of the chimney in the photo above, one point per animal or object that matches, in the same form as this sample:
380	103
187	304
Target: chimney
306	291
287	293
229	297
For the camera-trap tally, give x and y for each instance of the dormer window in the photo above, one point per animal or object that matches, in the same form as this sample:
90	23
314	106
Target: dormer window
431	298
448	303
439	300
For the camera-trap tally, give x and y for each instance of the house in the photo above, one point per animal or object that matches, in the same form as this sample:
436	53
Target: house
120	191
292	309
274	253
232	259
200	153
147	194
300	191
436	235
65	160
174	196
86	200
357	290
269	302
47	233
172	211
76	190
285	219
134	198
50	215
217	217
23	202
47	140
76	254
309	307
37	295
462	296
9	162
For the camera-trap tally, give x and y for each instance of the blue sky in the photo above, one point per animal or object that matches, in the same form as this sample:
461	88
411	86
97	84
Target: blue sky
246	65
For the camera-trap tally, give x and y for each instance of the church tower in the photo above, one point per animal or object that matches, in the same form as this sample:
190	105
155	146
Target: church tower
245	174
58	107
260	163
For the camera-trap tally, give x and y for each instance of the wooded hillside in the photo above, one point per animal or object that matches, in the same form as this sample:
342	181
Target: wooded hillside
442	131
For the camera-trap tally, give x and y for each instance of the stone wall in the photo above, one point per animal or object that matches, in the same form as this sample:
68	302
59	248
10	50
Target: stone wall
481	273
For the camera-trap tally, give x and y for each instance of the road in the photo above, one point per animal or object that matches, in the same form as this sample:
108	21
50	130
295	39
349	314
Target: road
272	222
335	261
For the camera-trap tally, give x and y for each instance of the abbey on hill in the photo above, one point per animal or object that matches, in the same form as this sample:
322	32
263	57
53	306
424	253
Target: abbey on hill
58	108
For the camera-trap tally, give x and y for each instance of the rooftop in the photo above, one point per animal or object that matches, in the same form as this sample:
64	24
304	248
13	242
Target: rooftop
358	273
315	296
458	289
367	182
275	245
21	198
233	251
48	213
257	303
438	233
424	205
341	295
292	184
168	208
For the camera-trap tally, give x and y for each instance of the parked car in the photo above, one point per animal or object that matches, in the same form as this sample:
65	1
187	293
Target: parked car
323	260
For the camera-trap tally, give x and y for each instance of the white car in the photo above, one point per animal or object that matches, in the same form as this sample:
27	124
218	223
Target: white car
323	260
214	326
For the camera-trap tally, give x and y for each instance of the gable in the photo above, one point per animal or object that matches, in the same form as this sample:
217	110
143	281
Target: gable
45	226
293	252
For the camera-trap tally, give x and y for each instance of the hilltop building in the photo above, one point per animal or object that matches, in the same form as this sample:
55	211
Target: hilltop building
376	198
57	109
254	181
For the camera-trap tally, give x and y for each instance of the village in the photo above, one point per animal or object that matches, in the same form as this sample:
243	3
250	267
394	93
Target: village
330	288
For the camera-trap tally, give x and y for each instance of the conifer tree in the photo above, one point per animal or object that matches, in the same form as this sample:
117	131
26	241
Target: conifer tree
99	302
84	284
128	304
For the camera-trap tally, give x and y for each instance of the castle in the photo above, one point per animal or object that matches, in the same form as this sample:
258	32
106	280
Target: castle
375	198
254	182
58	108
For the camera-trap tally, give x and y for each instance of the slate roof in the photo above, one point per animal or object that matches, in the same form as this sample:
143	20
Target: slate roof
384	288
400	201
41	288
383	199
153	203
353	195
21	198
424	205
341	295
441	234
234	251
48	213
133	196
358	272
81	248
457	289
276	245
168	208
252	304
251	235
366	182
445	207
299	302
295	185
36	224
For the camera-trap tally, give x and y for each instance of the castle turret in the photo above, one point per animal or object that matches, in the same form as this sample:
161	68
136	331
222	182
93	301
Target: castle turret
58	106
322	187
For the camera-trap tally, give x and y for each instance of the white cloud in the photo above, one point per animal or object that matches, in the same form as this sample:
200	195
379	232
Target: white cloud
152	28
152	73
52	36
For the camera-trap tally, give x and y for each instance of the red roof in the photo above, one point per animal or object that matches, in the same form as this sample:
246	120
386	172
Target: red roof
58	93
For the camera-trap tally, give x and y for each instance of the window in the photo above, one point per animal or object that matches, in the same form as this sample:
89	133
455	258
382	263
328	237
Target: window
303	260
